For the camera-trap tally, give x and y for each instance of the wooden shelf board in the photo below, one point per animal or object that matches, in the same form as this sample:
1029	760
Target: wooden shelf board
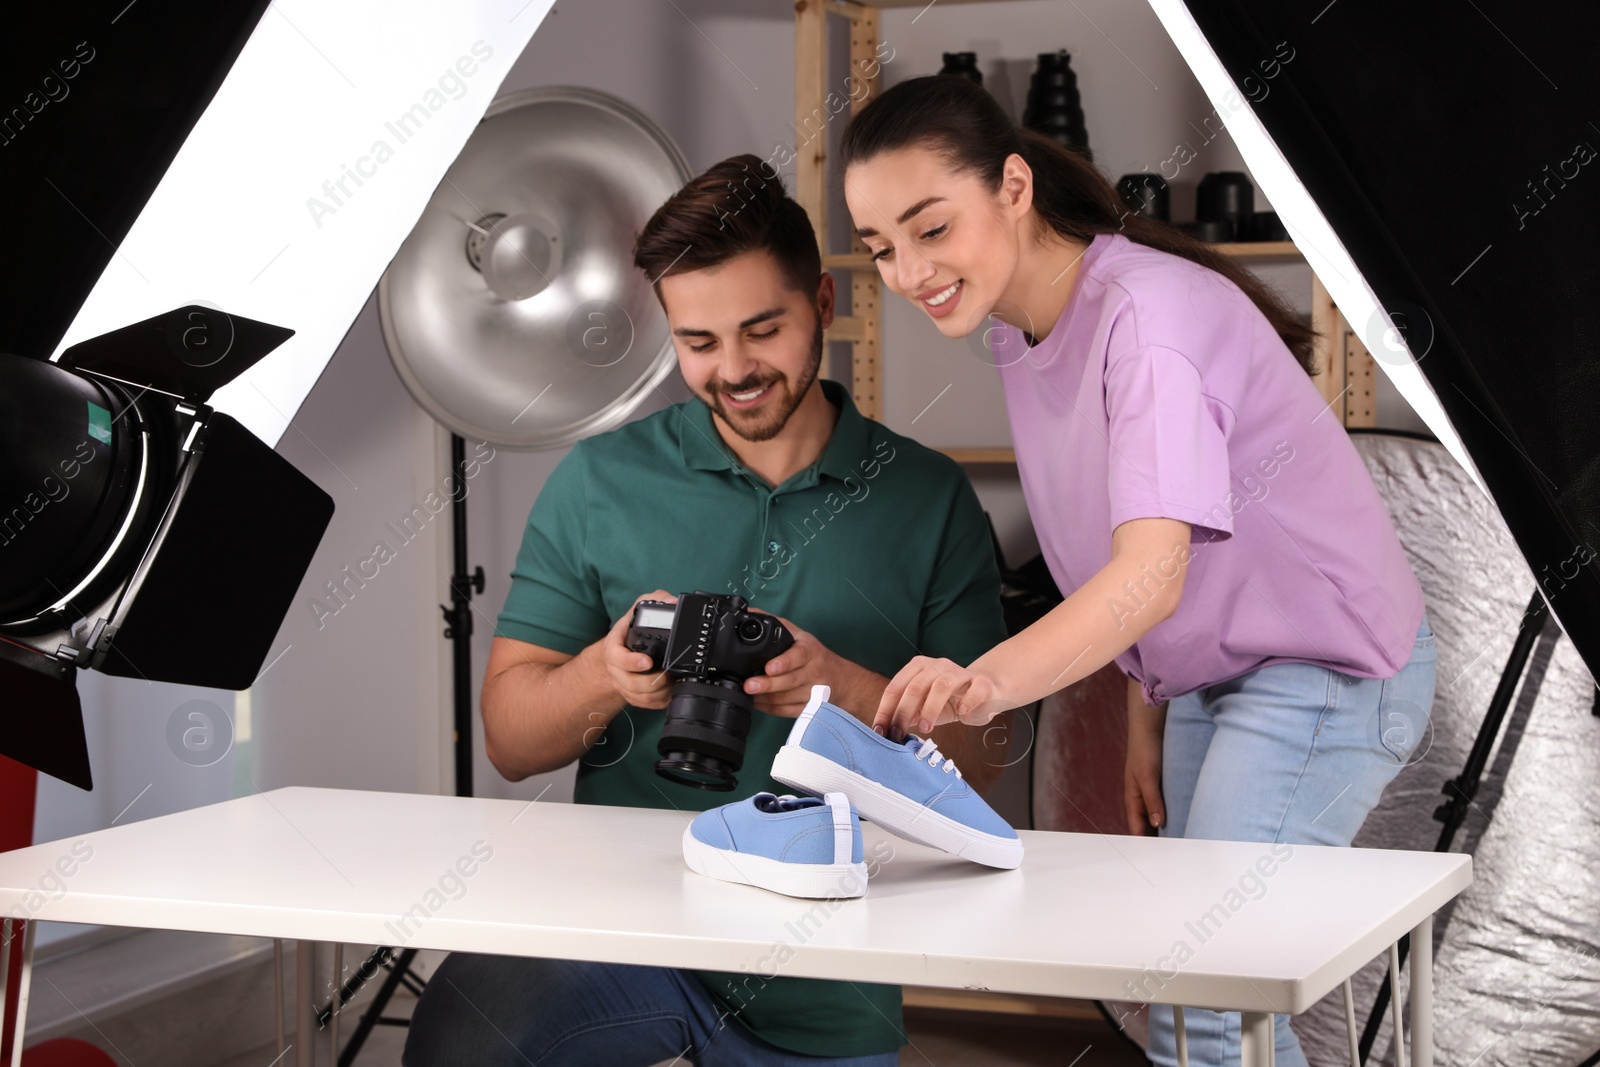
981	455
930	998
1260	249
846	328
850	261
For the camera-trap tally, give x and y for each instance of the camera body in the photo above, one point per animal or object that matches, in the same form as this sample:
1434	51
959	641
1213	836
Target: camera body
709	643
706	635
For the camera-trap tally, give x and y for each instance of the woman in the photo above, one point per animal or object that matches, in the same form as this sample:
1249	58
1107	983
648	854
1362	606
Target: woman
1213	526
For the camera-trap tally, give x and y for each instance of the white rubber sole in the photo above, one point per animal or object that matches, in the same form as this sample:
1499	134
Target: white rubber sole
814	881
895	812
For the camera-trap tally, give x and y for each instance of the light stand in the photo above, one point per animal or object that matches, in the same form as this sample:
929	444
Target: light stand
1463	787
458	619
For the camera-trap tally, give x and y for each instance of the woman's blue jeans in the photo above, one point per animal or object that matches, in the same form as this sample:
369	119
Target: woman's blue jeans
1288	753
510	1011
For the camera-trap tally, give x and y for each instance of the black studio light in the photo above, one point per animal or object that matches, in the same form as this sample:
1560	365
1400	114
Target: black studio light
1477	293
147	528
142	533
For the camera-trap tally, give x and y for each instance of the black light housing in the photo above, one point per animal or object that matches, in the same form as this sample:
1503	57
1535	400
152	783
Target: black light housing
1446	161
143	534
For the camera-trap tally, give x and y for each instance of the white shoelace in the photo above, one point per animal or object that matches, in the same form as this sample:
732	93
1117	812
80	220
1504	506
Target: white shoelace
934	756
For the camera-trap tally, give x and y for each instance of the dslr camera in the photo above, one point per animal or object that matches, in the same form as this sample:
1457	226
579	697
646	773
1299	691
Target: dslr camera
709	643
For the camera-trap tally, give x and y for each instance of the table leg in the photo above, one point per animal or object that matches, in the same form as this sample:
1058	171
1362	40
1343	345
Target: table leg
7	928
333	1019
1255	1049
1350	1024
24	979
1422	994
1394	1006
1180	1033
305	1012
277	994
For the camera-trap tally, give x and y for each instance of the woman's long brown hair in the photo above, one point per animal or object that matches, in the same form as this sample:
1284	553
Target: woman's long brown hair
960	120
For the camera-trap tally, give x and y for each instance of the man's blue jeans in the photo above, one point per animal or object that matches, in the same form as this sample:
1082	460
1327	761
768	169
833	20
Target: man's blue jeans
1288	753
509	1011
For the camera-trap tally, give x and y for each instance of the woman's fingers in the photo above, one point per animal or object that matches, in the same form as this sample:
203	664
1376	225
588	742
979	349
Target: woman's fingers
1149	786
976	703
949	685
902	698
1153	804
926	698
1142	795
909	709
925	693
884	719
1133	801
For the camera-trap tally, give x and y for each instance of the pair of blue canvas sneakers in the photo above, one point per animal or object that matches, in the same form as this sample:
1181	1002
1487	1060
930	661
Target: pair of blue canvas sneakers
810	846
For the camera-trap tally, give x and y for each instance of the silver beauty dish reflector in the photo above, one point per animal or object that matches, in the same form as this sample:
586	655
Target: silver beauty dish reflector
513	312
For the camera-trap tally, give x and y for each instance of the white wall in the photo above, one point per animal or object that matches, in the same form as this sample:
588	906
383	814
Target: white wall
361	700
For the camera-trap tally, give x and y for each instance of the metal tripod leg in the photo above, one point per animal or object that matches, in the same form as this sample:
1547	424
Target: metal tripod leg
1461	789
399	967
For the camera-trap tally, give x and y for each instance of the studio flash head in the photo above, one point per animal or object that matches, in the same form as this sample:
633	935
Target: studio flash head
142	533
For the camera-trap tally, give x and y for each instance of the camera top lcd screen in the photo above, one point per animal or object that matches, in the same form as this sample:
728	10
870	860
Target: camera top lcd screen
655	618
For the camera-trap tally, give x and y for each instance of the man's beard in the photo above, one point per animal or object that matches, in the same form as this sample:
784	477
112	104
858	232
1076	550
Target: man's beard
764	425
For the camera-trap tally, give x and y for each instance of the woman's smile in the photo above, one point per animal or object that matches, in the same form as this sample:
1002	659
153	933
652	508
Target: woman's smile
941	301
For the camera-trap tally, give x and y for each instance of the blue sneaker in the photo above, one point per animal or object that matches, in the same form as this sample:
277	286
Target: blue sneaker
797	846
910	788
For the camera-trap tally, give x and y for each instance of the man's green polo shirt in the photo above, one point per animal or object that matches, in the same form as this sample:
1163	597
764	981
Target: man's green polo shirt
879	549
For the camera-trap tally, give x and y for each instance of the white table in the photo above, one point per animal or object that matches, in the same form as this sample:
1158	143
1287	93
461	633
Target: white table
1085	916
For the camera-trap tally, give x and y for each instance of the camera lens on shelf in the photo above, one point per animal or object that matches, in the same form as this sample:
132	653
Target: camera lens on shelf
1054	107
1226	196
1267	226
962	65
1146	194
1212	231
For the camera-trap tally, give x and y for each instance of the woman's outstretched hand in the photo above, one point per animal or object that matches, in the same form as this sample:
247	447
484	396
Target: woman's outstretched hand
929	692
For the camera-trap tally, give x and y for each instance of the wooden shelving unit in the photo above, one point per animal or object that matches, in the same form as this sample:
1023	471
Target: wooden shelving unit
1347	373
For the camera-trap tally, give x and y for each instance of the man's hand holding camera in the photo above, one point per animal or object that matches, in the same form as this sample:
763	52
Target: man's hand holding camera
780	685
786	686
638	681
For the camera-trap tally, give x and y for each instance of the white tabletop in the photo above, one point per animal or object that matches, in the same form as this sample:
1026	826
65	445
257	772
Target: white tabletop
1084	915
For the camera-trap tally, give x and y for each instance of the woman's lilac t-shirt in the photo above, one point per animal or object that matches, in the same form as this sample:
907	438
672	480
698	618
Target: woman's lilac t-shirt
1163	392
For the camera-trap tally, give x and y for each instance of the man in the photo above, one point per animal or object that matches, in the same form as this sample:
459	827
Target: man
870	548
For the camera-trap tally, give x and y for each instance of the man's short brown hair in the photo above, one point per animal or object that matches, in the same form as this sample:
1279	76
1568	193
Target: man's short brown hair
737	206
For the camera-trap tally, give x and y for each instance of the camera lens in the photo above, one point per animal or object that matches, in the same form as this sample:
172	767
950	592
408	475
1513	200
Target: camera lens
750	631
702	740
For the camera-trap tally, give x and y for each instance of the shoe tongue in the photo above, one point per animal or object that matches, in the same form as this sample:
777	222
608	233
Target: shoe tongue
773	804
